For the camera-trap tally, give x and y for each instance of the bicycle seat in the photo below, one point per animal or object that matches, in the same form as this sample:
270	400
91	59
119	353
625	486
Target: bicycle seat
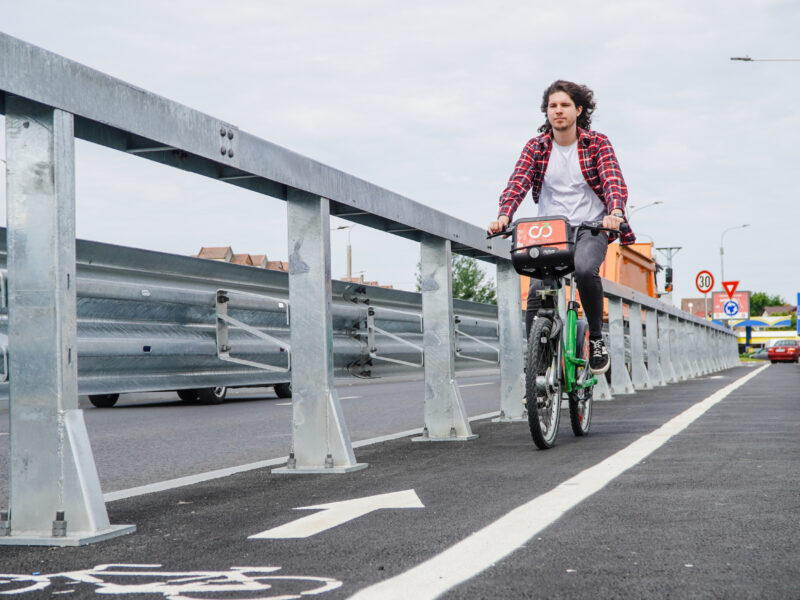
543	247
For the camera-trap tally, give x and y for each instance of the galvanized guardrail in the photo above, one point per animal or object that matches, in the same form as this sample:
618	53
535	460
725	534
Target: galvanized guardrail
149	321
55	495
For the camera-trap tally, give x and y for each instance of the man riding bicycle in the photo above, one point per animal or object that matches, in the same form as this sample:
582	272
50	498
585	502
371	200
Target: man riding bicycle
572	172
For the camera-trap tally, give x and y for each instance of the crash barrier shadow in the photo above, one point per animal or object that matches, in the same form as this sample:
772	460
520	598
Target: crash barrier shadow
58	307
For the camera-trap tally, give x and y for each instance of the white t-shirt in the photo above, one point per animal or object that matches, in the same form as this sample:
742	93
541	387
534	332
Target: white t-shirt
565	191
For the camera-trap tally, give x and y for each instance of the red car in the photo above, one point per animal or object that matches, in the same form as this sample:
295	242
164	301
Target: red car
784	351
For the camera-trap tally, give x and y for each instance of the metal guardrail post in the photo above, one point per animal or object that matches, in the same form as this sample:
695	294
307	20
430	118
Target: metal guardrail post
703	349
620	379
697	347
665	348
676	349
689	364
602	391
445	417
55	495
694	350
719	364
690	348
712	349
654	371
320	439
719	351
734	354
724	351
510	324
639	375
695	341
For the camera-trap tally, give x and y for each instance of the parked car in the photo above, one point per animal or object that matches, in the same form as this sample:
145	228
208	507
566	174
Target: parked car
760	354
785	351
215	395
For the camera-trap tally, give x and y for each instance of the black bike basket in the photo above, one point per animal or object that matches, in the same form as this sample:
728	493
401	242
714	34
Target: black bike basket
543	247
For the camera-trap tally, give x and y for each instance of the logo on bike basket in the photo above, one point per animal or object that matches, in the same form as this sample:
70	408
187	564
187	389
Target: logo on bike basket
540	232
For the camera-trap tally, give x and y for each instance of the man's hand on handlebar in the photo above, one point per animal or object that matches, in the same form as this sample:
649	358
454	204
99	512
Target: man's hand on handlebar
499	225
613	222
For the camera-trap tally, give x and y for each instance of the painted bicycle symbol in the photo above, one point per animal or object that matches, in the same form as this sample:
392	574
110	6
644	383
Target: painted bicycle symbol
245	583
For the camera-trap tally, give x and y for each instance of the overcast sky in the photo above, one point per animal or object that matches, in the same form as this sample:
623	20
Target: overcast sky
435	100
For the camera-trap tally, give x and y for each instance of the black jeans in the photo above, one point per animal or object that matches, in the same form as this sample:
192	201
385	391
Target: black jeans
590	252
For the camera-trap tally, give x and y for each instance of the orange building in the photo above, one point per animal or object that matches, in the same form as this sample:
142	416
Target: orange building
632	266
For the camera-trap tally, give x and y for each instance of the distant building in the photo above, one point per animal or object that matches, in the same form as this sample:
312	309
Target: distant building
360	279
697	306
221	253
242	259
770	311
277	265
260	261
226	254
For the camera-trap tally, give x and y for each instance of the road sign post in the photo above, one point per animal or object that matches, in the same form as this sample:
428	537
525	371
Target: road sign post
705	283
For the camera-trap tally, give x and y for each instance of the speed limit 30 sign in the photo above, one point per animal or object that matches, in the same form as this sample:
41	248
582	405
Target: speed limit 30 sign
704	282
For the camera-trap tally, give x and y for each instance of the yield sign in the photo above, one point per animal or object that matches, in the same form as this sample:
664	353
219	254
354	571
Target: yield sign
336	513
730	287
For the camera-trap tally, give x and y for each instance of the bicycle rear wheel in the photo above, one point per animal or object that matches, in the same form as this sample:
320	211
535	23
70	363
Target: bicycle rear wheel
543	384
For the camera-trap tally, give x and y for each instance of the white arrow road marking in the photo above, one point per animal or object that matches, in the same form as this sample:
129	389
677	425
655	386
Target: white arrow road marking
336	513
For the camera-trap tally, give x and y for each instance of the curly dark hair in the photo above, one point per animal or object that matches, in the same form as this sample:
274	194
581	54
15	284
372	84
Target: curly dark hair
581	96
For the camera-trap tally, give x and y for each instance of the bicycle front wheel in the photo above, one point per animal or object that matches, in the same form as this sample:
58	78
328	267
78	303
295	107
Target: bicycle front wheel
543	384
580	399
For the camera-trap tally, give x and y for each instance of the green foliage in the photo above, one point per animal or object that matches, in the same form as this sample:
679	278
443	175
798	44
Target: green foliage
760	300
470	282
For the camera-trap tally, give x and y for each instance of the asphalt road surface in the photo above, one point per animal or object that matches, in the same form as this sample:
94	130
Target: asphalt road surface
685	491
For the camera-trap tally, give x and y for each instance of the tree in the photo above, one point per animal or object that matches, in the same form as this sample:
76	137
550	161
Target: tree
470	281
760	300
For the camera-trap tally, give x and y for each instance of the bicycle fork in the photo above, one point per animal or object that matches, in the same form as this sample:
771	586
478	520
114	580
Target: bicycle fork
570	347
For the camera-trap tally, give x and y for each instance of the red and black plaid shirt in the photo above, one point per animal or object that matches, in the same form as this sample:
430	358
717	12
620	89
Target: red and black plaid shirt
598	164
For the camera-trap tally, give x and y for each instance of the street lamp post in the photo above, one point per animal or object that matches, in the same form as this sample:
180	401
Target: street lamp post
636	208
722	252
349	250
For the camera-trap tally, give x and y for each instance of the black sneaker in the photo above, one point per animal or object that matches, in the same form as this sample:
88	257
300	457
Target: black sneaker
598	356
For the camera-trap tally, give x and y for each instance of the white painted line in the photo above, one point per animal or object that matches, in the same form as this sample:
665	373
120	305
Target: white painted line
348	397
6	433
474	384
283	404
497	540
190	479
219	473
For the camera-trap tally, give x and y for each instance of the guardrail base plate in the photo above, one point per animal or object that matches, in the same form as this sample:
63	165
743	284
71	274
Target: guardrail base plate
446	438
522	419
319	470
68	540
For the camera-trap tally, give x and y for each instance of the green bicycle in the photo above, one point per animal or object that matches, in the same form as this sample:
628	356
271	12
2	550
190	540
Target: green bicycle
557	359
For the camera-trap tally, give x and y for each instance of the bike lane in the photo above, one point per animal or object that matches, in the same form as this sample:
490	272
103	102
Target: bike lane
207	528
711	514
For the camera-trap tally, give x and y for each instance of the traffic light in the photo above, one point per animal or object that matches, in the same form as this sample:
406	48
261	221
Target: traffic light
668	279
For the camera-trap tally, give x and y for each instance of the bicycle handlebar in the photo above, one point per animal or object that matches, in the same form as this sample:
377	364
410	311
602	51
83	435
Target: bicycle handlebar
593	226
